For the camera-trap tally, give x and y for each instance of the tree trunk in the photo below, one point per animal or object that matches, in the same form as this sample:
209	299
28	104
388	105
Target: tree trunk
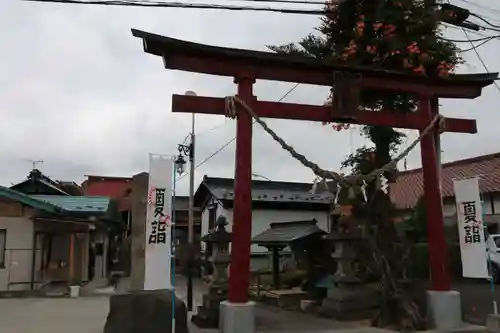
397	306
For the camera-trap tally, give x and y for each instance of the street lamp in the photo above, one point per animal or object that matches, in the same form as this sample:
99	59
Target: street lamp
179	164
188	150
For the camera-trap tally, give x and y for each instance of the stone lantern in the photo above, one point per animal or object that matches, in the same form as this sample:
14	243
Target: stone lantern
348	298
218	241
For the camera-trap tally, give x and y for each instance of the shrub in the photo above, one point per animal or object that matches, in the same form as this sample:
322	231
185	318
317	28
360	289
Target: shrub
419	260
294	278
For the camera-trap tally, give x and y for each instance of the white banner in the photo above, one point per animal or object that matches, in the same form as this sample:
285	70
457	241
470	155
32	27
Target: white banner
471	228
158	254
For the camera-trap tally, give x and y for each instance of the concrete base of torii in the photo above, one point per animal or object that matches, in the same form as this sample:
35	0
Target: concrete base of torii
237	317
444	310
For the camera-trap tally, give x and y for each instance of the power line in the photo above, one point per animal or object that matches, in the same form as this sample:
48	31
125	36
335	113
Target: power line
490	10
474	3
186	5
185	139
296	2
234	138
482	61
474	48
473	40
447	25
485	39
485	20
210	129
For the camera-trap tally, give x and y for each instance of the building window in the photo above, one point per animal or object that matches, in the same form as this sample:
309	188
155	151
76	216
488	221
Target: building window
212	216
3	244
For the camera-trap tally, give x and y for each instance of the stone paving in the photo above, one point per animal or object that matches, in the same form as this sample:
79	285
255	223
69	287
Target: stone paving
88	315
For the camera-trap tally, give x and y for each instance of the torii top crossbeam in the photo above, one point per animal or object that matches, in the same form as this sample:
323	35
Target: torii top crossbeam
199	58
193	57
246	66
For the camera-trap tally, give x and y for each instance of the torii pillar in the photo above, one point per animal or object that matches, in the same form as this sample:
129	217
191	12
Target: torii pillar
246	66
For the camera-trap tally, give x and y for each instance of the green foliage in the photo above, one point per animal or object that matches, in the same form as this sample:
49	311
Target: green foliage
419	260
294	278
417	223
359	161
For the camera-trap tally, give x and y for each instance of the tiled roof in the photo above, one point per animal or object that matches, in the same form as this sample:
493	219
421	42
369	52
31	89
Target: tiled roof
83	204
408	188
44	181
283	233
28	200
266	191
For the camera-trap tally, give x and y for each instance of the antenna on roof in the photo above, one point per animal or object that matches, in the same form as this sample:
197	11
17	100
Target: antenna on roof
34	163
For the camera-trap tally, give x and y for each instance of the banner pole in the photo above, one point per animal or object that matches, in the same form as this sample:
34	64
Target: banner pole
490	268
173	240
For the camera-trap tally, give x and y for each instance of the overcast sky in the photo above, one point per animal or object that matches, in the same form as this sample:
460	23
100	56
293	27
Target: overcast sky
78	92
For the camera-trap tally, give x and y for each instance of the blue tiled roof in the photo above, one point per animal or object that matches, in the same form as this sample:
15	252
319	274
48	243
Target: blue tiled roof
82	204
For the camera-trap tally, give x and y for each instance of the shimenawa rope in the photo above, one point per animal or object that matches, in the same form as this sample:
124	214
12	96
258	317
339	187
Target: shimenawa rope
231	109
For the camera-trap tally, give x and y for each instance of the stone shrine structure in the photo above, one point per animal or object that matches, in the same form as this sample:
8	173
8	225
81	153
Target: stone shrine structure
348	298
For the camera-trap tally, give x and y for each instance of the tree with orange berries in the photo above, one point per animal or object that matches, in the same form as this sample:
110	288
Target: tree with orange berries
401	35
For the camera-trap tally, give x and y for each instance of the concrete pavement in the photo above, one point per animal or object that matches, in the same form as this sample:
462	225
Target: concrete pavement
88	314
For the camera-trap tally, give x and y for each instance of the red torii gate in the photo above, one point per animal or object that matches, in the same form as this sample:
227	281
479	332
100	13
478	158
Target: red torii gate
246	66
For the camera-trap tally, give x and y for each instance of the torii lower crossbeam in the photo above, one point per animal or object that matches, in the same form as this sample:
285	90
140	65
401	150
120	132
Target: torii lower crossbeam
280	110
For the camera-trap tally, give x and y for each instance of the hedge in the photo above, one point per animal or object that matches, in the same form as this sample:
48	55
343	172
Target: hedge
419	260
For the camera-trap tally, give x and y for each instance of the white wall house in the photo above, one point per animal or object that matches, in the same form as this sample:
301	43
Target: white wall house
272	202
409	187
43	240
16	246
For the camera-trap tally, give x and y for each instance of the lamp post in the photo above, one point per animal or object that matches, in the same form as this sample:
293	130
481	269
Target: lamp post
188	150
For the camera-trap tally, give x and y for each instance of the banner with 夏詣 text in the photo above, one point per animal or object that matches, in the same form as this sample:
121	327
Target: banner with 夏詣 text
158	247
471	228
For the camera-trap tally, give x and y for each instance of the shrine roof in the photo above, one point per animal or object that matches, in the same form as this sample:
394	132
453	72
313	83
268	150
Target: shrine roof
214	60
284	233
409	187
263	191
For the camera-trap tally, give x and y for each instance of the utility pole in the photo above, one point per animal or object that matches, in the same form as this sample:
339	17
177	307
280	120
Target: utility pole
191	221
183	149
188	150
